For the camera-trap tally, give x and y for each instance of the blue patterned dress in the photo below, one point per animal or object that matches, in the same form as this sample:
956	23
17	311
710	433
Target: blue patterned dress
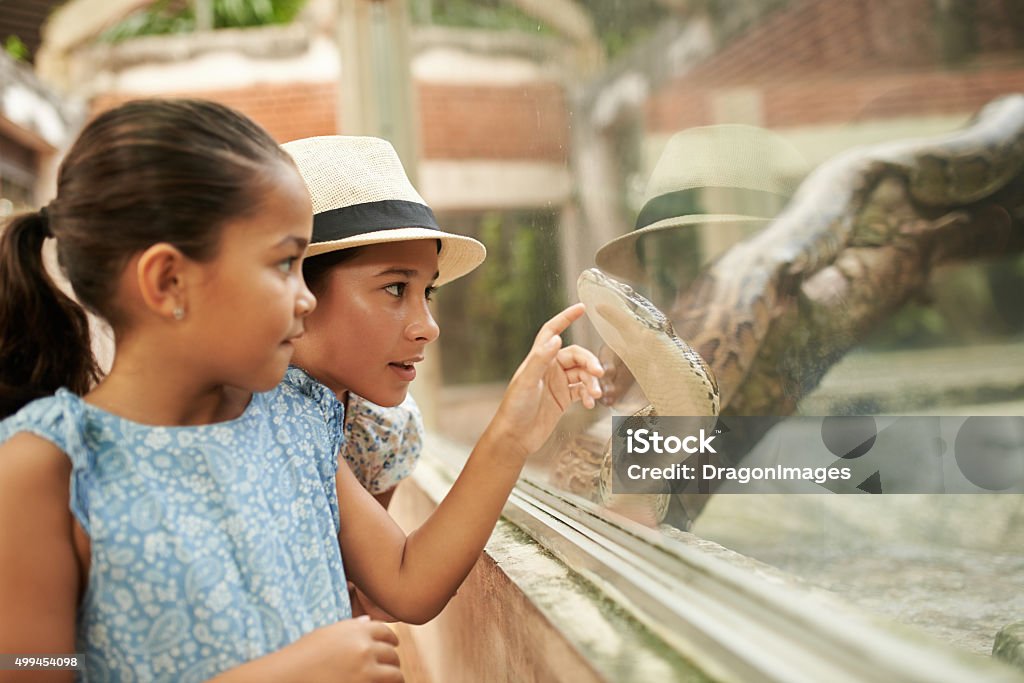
211	545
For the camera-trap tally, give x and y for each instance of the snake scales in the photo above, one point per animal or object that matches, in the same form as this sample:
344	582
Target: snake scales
674	377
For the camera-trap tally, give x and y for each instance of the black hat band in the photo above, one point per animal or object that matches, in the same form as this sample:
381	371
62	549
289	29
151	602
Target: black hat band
359	219
686	203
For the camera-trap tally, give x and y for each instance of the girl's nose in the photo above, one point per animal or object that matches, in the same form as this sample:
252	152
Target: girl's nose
305	302
423	328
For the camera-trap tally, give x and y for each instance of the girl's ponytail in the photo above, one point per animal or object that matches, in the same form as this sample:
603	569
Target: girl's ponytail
44	335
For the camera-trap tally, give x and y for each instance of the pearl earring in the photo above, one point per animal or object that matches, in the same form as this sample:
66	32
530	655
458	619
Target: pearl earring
179	313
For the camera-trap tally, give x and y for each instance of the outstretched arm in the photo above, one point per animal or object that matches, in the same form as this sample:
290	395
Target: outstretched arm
413	578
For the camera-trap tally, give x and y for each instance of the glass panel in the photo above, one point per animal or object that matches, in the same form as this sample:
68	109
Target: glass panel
823	197
885	285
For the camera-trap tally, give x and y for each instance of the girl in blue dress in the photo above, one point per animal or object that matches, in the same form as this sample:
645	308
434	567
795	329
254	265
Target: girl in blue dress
182	517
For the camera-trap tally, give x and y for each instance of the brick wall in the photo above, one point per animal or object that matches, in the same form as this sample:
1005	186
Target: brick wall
456	121
836	61
500	122
287	111
897	95
834	36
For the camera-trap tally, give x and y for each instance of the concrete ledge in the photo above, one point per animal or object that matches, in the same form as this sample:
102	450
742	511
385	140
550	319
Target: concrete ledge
522	615
474	184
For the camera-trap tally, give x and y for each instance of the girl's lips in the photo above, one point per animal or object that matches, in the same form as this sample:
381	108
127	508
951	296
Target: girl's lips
406	373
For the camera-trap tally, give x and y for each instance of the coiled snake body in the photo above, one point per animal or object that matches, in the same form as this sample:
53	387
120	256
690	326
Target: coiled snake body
674	377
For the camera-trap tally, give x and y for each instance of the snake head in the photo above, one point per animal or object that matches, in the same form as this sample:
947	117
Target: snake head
617	304
665	366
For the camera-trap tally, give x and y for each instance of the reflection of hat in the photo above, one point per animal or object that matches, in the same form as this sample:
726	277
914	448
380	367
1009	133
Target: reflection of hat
753	163
362	196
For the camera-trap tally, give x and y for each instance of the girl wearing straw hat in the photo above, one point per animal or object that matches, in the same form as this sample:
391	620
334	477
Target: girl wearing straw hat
376	257
367	215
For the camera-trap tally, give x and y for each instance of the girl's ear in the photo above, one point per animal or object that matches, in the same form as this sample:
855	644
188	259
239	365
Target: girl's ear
160	273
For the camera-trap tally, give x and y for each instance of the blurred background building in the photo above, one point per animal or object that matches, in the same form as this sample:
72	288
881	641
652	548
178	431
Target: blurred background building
532	125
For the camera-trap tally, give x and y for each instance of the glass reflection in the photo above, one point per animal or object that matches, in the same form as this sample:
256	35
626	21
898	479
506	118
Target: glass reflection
891	292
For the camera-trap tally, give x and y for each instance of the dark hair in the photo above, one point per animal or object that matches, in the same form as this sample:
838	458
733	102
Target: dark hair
148	171
316	268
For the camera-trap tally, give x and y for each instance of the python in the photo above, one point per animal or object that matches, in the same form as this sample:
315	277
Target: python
648	441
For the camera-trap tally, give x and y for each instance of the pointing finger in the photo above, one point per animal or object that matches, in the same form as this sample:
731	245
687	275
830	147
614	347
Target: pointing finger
559	323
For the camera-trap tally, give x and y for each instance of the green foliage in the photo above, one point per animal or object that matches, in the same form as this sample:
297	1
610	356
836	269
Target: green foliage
489	319
486	14
973	303
240	13
619	24
160	18
914	326
178	16
1006	278
16	49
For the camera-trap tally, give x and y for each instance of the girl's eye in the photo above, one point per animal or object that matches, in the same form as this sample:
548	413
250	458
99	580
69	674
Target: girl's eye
429	293
396	289
287	265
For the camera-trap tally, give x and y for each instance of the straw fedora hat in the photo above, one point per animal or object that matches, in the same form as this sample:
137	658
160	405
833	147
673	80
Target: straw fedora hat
362	196
756	166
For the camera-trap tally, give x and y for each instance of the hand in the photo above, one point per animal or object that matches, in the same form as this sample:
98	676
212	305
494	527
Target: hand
350	651
546	383
617	378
